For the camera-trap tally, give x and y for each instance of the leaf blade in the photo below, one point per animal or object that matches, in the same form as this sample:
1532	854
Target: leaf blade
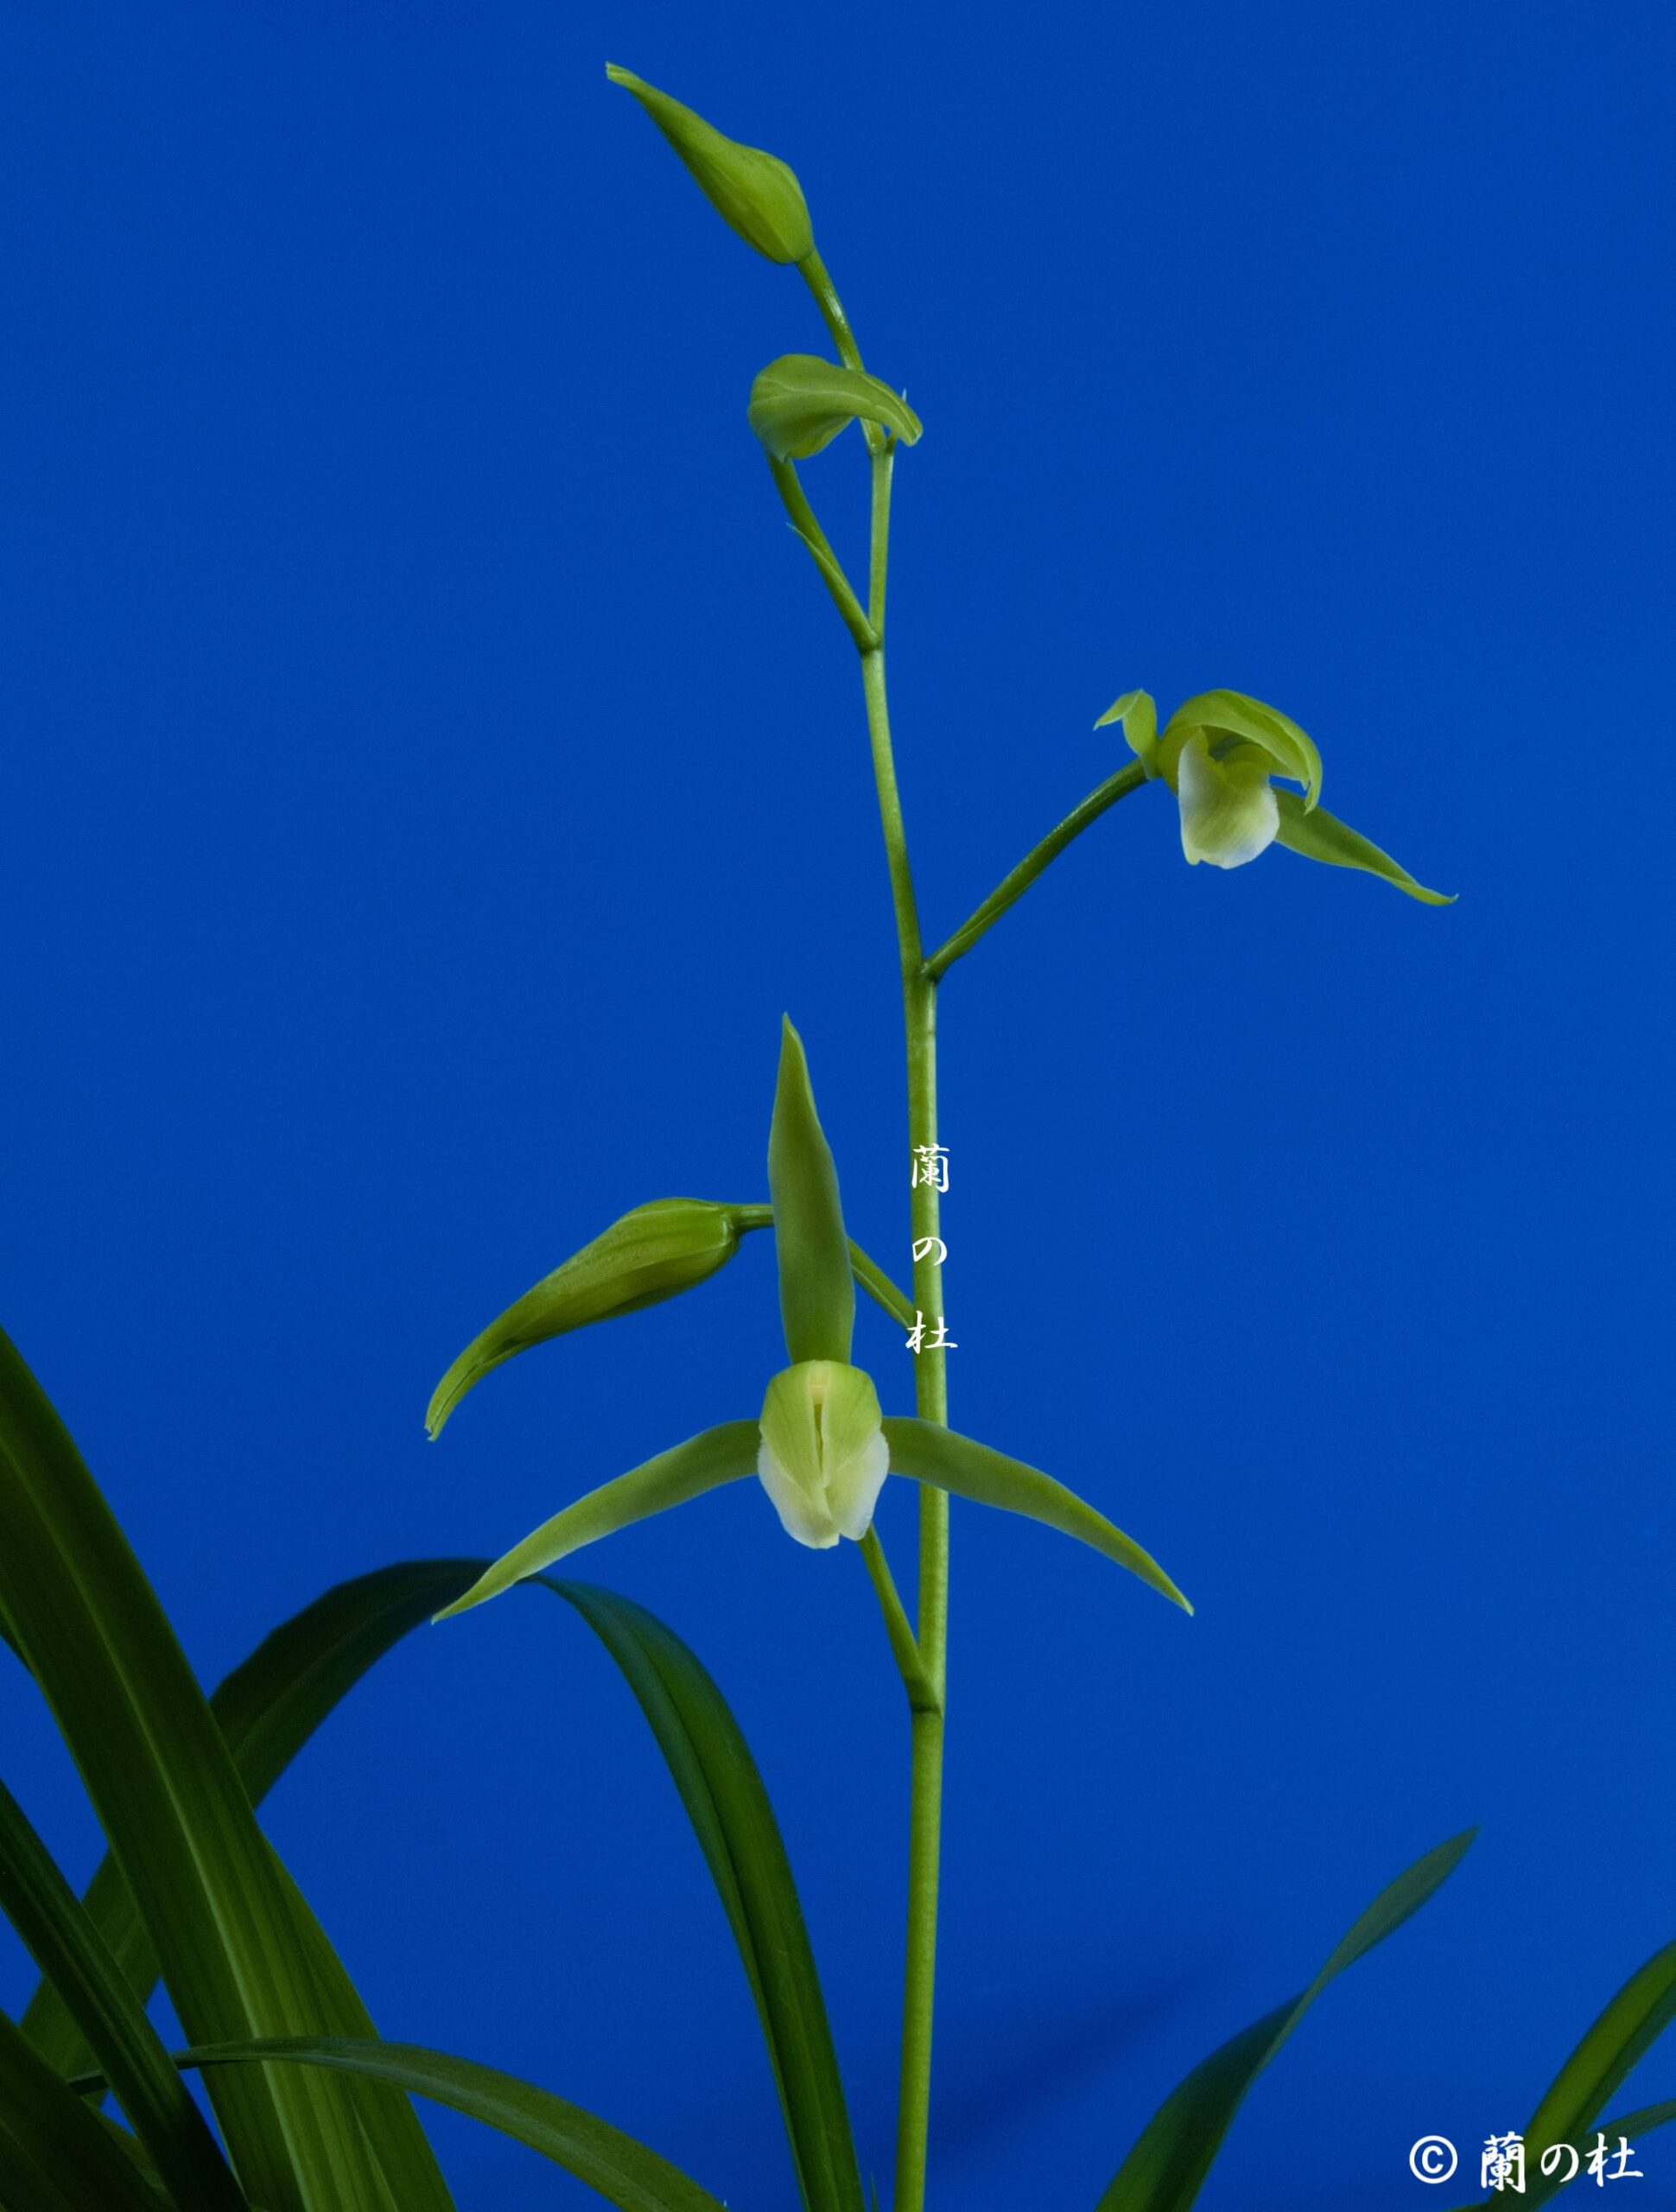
1614	2044
55	2156
89	1627
728	1805
1174	2152
67	1948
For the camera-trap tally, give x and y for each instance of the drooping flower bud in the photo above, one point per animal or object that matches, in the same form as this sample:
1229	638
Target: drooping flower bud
652	1253
754	194
824	1458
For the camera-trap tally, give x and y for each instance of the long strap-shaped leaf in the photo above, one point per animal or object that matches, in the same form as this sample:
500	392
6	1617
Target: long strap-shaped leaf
735	1825
164	1787
1166	2169
1628	2126
1622	2036
67	1947
931	1454
622	2171
55	2156
267	1708
275	1700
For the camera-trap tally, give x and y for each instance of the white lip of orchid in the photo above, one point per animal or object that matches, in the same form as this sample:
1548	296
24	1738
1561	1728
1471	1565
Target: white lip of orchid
824	1458
1228	813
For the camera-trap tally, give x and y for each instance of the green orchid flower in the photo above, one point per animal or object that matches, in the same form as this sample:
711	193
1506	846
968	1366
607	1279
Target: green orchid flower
821	1448
1219	753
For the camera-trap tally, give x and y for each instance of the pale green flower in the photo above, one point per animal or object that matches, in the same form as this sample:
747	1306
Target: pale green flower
824	1458
1219	753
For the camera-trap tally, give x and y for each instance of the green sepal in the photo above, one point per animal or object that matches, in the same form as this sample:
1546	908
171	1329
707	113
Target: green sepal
1167	2167
800	402
1138	712
817	1291
752	192
1322	836
718	1455
931	1454
1226	715
652	1253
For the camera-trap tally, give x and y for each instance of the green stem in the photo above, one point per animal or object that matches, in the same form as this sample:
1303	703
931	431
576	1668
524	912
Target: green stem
808	528
1013	887
930	1386
813	272
921	1696
878	1285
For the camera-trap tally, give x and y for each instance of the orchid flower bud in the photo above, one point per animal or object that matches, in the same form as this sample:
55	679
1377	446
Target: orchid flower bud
752	192
654	1252
824	1458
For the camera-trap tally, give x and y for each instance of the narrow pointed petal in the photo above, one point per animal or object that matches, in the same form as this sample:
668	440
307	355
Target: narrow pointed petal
1322	836
1228	813
725	1454
817	1290
929	1453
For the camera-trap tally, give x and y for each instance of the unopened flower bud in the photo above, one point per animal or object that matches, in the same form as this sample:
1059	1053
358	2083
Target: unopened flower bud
652	1253
754	194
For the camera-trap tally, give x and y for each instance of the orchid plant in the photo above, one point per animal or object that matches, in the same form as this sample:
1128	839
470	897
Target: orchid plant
309	2107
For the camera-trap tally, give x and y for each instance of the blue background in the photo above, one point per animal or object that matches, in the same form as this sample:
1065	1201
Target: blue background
432	769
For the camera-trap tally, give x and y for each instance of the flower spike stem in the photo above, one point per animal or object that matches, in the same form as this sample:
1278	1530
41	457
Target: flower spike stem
813	270
926	1694
1012	888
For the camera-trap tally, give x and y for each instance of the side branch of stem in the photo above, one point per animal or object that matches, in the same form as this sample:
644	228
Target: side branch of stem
1012	888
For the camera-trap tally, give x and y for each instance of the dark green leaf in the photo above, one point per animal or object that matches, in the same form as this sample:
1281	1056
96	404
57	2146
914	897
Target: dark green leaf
1615	2043
817	1293
800	402
68	1950
931	1454
618	2168
56	2156
163	1785
731	1816
267	1709
1167	2167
